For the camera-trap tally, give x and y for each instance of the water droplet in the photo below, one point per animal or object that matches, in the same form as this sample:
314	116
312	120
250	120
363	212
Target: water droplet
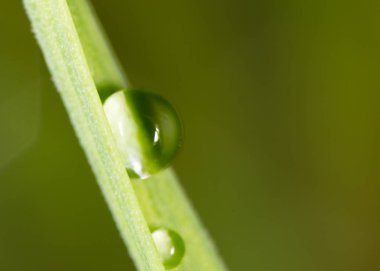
147	130
170	246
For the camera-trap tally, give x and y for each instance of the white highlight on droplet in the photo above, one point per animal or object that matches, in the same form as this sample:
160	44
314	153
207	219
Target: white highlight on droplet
163	243
125	131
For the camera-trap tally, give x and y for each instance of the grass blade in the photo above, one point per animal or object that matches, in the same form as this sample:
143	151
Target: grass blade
81	61
55	31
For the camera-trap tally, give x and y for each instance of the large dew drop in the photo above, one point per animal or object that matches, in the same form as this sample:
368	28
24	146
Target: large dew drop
170	246
147	130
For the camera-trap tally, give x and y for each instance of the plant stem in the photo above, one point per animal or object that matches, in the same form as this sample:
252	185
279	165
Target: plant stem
55	31
104	66
82	63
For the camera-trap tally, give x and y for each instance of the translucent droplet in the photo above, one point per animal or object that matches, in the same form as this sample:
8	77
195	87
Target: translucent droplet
147	130
170	246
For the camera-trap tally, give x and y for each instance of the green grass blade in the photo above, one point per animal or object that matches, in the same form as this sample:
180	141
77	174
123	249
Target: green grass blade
161	198
164	202
55	31
104	66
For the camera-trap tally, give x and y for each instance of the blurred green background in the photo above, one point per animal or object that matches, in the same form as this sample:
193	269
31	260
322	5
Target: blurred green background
282	152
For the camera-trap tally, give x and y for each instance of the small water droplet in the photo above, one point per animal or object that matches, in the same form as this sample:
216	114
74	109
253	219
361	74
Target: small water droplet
147	130
170	246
